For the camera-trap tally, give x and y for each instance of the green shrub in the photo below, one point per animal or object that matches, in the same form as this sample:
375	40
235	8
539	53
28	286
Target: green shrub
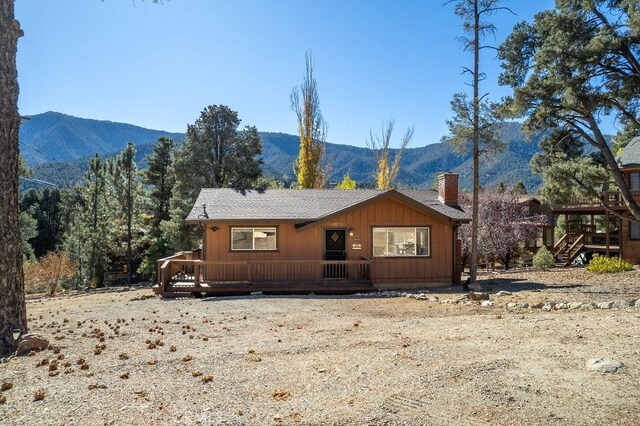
543	259
604	265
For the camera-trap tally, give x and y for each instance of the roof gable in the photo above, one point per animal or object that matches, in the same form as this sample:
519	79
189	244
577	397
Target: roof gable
630	155
308	205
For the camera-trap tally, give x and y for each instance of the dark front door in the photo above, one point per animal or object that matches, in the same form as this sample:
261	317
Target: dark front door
335	248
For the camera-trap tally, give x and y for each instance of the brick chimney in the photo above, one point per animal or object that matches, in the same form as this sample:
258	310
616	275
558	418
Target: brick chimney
448	188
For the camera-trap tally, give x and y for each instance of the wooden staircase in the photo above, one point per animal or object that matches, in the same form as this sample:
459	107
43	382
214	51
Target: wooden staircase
568	248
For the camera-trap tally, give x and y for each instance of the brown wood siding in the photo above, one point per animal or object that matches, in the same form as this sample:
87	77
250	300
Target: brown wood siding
308	243
630	249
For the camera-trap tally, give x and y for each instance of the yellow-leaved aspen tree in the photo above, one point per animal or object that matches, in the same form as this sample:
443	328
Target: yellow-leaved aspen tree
386	173
312	129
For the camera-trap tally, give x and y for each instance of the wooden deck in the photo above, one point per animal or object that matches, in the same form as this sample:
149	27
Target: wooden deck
571	245
272	288
180	276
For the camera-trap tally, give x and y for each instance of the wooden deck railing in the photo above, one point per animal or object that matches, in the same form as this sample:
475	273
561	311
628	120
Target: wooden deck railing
561	245
612	198
162	265
198	271
571	245
574	250
600	239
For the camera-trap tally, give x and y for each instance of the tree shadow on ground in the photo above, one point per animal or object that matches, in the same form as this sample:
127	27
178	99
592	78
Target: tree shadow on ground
513	285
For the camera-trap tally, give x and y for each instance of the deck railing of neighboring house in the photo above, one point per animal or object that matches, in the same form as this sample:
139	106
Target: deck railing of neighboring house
600	239
561	245
613	199
176	269
574	250
572	244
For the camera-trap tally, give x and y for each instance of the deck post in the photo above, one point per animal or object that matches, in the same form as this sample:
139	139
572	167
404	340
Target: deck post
620	245
606	226
196	273
162	278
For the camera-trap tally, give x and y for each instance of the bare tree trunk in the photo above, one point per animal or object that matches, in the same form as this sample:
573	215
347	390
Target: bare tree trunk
473	268
129	220
12	303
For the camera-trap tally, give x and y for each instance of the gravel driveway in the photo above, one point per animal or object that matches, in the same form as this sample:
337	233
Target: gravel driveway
333	360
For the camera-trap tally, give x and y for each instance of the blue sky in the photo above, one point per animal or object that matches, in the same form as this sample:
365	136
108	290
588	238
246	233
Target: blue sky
158	66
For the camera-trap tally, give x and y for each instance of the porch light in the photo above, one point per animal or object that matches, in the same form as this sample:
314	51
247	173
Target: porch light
214	229
351	232
16	333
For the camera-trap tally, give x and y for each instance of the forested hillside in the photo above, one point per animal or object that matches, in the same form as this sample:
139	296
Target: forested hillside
58	146
56	137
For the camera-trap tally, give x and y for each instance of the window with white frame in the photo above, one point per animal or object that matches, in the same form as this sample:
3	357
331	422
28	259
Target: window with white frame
253	239
392	242
634	230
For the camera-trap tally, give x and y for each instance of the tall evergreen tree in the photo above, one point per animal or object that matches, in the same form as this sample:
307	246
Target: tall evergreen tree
46	208
28	231
89	238
159	176
312	130
215	154
569	68
127	190
474	122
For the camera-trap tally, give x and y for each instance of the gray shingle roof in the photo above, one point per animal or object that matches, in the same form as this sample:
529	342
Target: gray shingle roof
630	155
302	205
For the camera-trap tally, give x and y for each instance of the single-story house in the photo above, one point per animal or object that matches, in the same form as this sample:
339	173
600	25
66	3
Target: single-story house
320	239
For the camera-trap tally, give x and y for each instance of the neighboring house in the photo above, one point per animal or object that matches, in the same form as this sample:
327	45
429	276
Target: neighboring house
536	206
590	228
284	240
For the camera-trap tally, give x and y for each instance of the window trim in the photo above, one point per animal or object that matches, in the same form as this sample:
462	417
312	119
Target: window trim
415	228
631	222
252	229
631	181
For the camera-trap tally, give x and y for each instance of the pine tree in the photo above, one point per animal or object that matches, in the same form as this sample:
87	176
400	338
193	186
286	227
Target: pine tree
475	121
90	237
127	190
215	155
569	68
46	208
159	176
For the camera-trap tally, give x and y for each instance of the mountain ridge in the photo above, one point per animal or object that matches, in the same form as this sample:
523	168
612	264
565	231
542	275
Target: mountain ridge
57	146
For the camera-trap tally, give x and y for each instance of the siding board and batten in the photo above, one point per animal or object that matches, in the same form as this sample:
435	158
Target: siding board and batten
301	218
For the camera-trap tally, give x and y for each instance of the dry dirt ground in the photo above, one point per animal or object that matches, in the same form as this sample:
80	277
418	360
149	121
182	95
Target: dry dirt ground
334	360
